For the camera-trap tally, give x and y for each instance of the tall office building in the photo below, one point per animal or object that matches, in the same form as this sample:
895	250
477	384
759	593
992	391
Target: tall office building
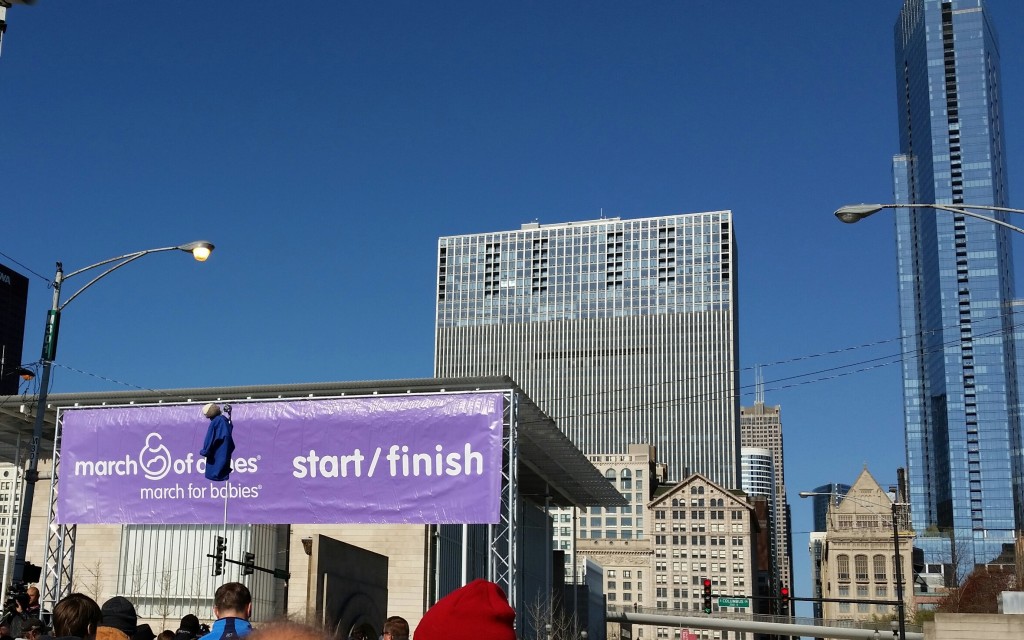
955	282
761	428
757	478
624	331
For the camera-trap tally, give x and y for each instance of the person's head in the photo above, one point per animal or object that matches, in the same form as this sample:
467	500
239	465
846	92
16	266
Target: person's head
33	629
5	629
232	600
396	628
33	596
166	634
119	613
76	615
190	625
477	610
143	632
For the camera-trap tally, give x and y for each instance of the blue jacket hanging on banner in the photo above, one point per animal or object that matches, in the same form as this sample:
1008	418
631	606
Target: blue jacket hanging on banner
218	448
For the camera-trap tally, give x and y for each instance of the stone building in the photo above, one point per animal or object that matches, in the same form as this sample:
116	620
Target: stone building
858	554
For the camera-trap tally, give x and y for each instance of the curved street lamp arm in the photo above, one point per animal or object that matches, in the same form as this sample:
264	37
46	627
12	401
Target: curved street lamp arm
125	258
130	256
972	214
857	212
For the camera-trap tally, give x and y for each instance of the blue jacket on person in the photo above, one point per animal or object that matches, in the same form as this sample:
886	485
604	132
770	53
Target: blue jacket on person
218	448
228	628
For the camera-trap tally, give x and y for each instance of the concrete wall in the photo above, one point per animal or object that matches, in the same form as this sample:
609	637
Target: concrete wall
968	626
348	586
403	545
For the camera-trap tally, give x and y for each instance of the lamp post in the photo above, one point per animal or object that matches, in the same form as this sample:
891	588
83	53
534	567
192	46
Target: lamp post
856	212
897	559
199	249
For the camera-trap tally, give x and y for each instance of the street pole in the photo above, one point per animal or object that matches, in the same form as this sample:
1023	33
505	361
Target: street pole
32	472
199	249
898	567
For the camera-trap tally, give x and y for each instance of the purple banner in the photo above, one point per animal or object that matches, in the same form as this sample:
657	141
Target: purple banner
409	459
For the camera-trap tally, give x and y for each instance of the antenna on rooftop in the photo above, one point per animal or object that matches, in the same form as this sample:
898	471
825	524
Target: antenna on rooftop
758	385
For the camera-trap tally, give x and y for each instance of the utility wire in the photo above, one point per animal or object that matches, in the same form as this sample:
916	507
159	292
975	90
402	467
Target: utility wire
900	355
826	374
47	280
796	380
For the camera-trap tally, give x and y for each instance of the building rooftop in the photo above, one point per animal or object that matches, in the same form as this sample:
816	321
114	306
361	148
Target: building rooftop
550	465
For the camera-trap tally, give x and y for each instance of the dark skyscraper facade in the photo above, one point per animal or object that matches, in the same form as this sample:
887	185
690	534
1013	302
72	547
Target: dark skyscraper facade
13	299
955	282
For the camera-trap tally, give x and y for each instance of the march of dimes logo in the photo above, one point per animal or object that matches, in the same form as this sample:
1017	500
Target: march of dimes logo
156	462
155	458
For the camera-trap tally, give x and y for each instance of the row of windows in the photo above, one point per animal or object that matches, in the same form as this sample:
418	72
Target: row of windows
737	581
694	540
715	567
864	607
700	527
639	508
861	521
662	228
736	551
613	534
611	521
680	514
860	562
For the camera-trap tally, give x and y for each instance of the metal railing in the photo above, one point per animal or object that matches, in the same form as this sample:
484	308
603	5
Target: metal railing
871	625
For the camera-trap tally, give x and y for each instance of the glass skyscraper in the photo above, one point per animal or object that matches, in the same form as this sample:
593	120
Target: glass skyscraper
955	283
623	331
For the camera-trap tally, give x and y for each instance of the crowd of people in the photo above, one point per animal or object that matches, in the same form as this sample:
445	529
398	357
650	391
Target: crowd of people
479	609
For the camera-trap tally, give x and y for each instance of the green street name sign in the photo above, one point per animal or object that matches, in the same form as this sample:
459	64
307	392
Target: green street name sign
733	602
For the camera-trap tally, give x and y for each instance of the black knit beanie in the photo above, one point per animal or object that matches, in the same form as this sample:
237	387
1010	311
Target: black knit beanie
119	613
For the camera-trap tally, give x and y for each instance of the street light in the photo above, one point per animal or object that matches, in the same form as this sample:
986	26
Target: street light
856	212
897	559
199	249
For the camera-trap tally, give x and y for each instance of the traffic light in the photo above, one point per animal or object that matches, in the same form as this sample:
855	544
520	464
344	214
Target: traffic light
784	599
248	562
218	555
707	595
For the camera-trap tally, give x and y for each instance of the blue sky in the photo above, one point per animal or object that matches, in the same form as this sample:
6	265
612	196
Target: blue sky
324	147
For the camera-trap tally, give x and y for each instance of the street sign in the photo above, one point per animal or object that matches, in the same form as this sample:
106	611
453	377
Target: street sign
733	602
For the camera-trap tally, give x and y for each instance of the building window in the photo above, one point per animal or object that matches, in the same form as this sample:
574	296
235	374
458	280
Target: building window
860	563
843	567
879	561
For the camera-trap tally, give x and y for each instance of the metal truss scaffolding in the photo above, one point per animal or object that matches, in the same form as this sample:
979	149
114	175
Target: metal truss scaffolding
59	556
503	557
